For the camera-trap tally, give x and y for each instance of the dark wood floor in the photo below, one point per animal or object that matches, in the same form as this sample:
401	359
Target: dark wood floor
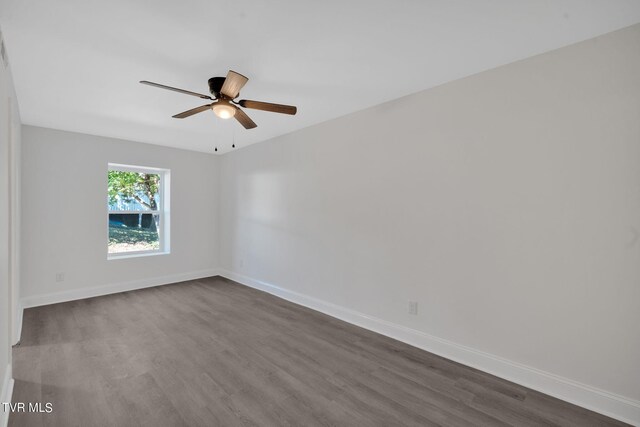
211	352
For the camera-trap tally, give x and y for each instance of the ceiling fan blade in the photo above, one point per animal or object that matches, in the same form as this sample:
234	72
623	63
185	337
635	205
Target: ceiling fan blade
267	106
175	89
244	120
232	84
193	111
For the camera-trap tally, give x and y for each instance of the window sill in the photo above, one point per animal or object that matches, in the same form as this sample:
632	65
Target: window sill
127	255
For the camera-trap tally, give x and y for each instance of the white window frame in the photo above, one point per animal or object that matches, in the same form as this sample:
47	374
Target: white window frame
162	212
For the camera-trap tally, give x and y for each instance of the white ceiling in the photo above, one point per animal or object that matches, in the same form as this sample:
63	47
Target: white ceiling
77	63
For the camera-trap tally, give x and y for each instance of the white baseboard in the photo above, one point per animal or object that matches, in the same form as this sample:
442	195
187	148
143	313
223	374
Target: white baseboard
7	391
82	293
592	398
17	329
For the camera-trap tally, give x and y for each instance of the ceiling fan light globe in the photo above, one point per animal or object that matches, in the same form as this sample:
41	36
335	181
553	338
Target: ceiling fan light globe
223	110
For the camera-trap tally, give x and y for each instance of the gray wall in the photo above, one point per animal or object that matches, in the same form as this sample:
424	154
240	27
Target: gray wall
507	204
64	212
9	225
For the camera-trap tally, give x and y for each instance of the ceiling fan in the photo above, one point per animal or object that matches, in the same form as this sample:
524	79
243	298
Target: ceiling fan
225	90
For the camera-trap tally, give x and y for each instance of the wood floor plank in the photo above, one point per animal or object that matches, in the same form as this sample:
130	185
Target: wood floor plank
211	352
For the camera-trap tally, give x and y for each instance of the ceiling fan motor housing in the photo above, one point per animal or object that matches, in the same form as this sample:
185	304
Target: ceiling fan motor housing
215	85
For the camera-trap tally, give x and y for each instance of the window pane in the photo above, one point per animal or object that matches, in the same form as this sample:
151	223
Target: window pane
133	191
134	232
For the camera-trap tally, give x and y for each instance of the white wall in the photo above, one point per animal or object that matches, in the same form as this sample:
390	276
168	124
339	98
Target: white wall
64	187
9	224
507	204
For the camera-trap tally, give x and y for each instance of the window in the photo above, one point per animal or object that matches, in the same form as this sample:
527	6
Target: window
137	210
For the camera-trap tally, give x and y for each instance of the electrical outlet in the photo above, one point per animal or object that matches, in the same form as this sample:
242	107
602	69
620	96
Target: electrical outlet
59	277
413	308
242	263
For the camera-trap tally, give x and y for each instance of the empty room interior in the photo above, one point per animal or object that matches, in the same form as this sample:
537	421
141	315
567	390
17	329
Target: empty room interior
336	213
